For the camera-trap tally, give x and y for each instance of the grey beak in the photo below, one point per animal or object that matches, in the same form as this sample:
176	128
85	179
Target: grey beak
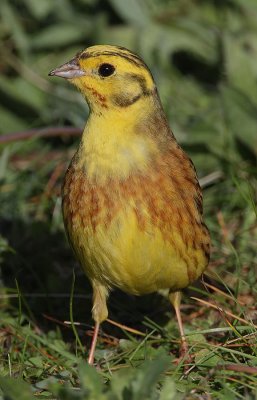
68	70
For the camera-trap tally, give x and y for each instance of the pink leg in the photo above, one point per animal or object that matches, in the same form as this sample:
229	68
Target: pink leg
184	345
93	344
175	299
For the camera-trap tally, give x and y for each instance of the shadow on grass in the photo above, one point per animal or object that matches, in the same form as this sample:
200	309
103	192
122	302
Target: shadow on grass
42	264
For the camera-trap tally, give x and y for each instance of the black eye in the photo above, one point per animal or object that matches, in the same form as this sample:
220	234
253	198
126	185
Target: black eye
106	69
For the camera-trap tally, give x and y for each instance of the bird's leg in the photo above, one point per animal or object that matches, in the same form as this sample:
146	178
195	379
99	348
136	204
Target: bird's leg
175	299
93	344
99	312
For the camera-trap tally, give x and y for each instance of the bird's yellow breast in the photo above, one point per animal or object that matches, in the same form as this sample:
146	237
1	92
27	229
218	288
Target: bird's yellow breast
127	257
137	233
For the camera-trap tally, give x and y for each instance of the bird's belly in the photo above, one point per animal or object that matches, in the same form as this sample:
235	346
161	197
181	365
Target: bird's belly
136	259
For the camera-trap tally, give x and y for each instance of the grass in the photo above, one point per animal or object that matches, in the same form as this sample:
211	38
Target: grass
203	57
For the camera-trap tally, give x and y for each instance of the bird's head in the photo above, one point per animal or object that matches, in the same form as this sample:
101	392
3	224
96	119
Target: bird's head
110	77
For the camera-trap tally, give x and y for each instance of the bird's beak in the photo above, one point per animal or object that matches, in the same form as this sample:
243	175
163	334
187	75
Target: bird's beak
68	70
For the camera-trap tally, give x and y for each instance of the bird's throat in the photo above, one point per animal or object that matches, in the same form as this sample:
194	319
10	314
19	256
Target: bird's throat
118	144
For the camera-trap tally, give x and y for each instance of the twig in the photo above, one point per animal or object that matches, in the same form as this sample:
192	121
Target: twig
215	289
125	328
241	368
220	309
211	178
43	132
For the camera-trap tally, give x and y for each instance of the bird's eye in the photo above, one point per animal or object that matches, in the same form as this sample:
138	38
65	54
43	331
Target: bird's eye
106	69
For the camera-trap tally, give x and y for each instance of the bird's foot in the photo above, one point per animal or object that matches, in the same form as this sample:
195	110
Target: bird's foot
185	357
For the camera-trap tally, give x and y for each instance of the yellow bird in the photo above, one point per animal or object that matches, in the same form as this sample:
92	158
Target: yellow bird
132	204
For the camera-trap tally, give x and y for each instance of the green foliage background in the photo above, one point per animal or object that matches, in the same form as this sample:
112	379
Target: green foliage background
203	55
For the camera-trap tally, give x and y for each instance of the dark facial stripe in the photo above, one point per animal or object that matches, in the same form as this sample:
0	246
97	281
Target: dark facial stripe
141	81
122	100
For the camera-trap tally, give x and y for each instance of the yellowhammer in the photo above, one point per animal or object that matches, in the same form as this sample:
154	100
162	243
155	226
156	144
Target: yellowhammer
132	204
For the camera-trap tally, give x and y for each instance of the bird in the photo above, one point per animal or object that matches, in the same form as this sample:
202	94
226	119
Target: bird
132	204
